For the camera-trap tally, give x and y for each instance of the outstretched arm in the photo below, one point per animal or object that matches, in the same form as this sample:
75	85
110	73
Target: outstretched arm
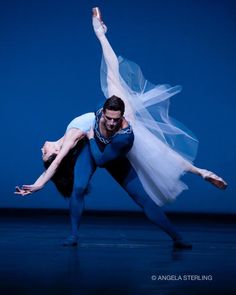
118	148
71	138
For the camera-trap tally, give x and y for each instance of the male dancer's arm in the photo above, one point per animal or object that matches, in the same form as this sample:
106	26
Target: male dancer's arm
119	147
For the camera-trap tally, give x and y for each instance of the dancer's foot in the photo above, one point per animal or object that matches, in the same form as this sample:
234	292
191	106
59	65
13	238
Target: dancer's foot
70	241
213	179
182	244
98	25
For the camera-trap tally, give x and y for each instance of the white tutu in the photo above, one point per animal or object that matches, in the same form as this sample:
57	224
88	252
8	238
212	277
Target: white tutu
163	148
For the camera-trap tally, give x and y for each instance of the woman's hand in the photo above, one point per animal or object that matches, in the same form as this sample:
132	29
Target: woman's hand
27	189
21	191
90	133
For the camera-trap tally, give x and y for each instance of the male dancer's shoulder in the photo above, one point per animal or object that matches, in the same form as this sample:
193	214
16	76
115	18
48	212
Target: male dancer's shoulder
124	138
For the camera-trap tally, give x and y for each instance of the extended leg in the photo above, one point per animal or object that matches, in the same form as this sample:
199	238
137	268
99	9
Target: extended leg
113	77
126	176
83	171
207	175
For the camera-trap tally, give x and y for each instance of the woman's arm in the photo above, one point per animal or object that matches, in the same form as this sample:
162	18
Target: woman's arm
71	138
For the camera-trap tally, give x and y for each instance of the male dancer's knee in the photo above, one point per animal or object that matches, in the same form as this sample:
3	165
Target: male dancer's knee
79	191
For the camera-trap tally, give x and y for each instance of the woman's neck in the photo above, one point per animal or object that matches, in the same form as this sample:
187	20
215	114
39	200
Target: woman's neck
59	142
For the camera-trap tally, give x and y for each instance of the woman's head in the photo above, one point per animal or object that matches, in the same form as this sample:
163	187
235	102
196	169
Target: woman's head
49	148
49	160
64	176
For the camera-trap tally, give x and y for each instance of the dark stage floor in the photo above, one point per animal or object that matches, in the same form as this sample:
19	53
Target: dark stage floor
117	255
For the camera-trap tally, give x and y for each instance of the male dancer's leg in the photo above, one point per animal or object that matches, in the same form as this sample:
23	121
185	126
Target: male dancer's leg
83	171
126	176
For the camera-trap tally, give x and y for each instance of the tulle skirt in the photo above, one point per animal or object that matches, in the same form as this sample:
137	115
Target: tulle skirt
163	148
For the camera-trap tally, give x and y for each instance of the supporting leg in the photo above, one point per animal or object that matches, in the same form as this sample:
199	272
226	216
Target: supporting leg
126	176
83	171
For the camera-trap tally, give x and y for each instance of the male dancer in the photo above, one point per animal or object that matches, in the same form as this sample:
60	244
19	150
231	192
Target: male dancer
109	143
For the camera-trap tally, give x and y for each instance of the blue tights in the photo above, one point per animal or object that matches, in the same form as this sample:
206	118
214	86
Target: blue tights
122	171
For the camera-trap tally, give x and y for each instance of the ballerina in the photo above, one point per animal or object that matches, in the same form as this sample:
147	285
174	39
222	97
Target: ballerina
157	156
59	157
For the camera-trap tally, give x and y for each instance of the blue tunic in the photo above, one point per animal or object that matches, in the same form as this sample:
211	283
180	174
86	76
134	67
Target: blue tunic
105	150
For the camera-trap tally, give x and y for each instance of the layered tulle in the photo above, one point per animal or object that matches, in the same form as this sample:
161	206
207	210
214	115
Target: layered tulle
163	148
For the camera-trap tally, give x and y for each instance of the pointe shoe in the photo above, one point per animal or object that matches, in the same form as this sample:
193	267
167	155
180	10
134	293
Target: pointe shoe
97	13
98	25
213	179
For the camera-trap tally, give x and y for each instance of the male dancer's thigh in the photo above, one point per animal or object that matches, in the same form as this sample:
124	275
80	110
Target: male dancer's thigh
123	172
84	169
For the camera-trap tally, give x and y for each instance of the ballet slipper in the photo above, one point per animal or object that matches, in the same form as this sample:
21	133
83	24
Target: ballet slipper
99	26
213	179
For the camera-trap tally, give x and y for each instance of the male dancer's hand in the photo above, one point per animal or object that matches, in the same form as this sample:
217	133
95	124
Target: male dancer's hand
90	133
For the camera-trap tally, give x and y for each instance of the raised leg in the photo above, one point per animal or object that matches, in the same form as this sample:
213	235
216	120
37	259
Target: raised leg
207	175
113	78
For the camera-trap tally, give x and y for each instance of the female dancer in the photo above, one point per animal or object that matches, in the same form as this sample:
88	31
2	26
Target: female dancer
162	150
59	157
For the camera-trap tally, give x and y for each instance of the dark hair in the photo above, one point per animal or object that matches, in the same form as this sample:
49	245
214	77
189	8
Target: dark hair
114	103
64	176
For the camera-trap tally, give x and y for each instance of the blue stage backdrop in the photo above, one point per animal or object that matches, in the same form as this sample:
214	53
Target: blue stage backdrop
49	74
